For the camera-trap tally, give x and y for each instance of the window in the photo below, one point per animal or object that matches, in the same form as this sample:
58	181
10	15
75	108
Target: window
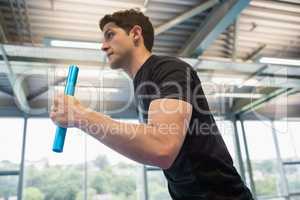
110	175
49	174
288	139
10	156
157	186
293	177
8	187
289	143
10	150
86	167
227	132
263	158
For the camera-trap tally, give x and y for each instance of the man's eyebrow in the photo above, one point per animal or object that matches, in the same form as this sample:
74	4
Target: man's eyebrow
105	32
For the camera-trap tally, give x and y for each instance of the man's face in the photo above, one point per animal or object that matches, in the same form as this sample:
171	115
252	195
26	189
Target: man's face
117	44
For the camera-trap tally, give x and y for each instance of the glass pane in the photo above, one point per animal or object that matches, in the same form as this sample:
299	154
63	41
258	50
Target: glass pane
263	157
8	187
157	186
288	139
293	177
11	143
227	131
110	174
51	175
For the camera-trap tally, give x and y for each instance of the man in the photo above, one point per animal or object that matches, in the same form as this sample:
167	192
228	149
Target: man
178	133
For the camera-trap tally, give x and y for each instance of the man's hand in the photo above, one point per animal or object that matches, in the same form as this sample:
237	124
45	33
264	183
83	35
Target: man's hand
65	111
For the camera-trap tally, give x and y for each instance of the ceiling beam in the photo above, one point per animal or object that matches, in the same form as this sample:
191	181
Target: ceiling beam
255	53
6	91
219	19
54	55
28	60
253	105
19	86
17	24
44	89
290	1
184	16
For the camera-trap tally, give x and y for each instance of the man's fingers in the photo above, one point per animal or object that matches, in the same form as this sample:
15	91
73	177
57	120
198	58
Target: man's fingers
52	116
53	108
57	98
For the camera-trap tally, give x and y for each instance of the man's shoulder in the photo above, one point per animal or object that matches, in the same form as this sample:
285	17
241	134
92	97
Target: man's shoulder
166	59
169	63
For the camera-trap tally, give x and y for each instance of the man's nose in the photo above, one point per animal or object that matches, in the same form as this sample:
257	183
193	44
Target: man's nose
104	46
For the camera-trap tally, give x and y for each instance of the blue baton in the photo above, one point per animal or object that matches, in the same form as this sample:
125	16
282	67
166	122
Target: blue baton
60	134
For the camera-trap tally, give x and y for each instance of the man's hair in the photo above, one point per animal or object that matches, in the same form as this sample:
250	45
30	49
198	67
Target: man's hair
127	19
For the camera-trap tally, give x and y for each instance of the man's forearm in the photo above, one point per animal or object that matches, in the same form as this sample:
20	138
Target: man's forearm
140	142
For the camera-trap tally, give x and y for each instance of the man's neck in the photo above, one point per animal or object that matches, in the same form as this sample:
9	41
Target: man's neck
139	58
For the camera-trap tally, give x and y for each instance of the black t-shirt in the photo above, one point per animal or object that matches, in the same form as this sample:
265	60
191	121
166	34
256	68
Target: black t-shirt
203	168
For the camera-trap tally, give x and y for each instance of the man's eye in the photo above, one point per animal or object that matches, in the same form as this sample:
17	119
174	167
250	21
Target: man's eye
109	35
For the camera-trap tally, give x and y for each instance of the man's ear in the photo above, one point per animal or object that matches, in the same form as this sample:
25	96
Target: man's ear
136	32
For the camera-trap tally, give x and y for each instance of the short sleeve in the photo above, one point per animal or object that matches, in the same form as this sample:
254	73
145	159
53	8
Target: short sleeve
173	80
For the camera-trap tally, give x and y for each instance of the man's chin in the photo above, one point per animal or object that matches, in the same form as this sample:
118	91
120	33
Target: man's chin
114	65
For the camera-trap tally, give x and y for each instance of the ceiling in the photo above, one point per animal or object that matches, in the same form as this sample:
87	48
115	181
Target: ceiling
219	42
268	26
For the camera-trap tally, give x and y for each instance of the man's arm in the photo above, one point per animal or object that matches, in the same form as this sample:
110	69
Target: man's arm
156	143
